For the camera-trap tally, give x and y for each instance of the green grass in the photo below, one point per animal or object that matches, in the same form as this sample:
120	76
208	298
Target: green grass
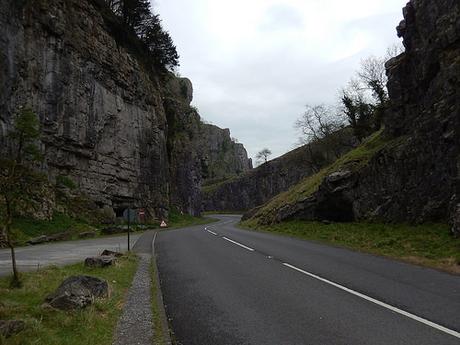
353	161
93	325
26	228
176	220
429	245
158	329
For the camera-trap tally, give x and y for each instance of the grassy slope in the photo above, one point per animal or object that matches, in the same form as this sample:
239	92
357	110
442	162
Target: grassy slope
429	244
353	160
180	221
93	325
26	228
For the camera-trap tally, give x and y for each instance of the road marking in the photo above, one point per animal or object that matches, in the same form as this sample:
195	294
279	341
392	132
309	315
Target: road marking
211	232
238	244
382	304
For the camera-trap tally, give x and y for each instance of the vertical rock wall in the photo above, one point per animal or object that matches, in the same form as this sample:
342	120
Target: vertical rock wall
112	126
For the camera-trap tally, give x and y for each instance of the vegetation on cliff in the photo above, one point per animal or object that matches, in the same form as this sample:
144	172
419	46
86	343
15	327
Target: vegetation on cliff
138	21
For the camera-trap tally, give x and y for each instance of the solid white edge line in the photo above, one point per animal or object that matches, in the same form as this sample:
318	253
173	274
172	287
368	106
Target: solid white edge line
238	244
382	304
211	232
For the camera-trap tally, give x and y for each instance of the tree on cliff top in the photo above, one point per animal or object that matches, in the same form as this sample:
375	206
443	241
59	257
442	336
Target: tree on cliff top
20	186
137	16
262	155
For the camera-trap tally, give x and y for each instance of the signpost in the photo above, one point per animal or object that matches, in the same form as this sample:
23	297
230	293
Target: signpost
142	215
129	215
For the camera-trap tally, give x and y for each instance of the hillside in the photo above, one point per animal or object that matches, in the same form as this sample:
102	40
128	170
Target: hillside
409	171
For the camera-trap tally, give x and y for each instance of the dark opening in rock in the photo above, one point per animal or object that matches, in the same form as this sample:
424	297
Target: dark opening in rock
335	209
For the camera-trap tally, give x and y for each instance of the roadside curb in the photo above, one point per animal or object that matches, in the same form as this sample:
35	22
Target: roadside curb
159	297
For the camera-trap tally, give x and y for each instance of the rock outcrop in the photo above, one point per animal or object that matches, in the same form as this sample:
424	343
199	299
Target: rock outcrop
415	176
78	292
125	135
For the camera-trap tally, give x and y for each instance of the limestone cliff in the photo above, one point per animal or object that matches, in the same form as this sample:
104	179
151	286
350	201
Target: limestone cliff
108	122
255	187
410	171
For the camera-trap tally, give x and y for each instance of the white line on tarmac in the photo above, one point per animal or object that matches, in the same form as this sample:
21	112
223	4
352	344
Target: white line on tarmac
382	304
211	232
238	244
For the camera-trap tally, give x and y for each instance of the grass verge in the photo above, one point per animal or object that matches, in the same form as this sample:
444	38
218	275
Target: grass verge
428	245
93	325
159	336
177	220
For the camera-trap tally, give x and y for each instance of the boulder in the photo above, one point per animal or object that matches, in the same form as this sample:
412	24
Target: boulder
38	240
11	327
78	292
62	236
107	252
100	261
87	234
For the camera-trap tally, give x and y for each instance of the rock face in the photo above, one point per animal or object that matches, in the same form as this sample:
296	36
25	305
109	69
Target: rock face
107	123
222	155
78	292
256	186
197	151
415	179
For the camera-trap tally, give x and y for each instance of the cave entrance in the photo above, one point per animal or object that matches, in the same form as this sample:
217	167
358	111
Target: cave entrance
336	209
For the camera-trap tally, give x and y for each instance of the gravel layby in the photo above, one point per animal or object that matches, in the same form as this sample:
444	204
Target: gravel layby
135	326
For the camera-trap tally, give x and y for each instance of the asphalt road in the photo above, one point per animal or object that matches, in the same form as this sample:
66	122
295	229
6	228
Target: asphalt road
61	253
266	289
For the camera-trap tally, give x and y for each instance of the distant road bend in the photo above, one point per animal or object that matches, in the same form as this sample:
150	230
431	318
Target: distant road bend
223	285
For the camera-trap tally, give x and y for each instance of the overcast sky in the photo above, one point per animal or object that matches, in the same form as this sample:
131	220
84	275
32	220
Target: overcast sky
255	64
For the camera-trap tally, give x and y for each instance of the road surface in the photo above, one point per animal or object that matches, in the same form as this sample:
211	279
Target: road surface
61	253
223	285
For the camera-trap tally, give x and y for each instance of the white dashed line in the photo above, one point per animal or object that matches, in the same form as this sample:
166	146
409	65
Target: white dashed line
238	244
211	232
382	304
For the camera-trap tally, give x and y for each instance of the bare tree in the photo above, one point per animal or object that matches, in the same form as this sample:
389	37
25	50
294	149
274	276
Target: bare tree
321	133
262	155
318	122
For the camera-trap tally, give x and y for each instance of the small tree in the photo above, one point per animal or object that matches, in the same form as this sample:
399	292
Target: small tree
262	156
19	185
